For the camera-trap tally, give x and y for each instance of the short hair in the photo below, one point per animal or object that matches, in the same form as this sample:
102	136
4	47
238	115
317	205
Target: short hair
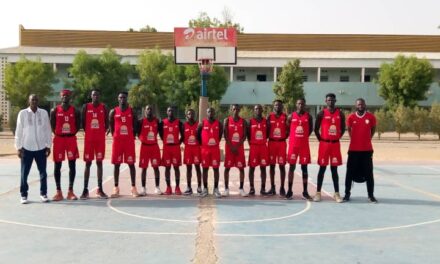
302	99
190	109
332	95
277	100
361	99
236	105
95	90
123	92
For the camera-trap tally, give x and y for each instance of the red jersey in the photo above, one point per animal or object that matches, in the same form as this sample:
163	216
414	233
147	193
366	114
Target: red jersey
210	133
277	127
171	131
331	125
95	121
123	123
235	130
190	134
361	131
258	132
65	121
149	129
299	129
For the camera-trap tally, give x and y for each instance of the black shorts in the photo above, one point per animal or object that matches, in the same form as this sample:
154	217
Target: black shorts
360	165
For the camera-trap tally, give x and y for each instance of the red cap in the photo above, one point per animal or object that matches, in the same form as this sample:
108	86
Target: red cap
65	92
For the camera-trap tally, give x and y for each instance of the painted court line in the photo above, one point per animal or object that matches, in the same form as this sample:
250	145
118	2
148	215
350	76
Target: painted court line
348	232
94	230
109	204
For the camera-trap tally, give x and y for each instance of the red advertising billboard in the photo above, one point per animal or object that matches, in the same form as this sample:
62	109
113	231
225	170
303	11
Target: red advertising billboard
217	37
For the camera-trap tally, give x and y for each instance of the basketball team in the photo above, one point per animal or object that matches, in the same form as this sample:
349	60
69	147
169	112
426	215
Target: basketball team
277	139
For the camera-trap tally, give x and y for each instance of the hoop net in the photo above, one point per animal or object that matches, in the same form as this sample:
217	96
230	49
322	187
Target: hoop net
205	65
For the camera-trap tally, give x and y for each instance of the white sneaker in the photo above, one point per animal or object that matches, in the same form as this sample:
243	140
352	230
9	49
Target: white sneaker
243	193
217	193
44	198
204	193
226	193
337	197
143	192
317	197
23	200
157	191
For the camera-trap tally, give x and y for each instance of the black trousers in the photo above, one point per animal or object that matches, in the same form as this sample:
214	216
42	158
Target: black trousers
26	164
360	165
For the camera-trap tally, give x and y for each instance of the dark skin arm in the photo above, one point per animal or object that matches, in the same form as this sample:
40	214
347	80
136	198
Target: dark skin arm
199	132
134	124
318	125
181	130
288	121
268	127
139	127
248	132
287	129
77	121
342	116
310	125
83	117
106	117
220	130
111	120
160	129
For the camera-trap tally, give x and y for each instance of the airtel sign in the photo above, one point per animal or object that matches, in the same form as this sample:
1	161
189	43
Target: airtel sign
223	37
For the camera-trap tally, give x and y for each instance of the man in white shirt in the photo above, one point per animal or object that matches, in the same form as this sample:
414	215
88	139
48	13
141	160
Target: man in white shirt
33	139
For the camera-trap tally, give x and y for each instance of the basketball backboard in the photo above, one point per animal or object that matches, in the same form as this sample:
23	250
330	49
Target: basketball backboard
191	45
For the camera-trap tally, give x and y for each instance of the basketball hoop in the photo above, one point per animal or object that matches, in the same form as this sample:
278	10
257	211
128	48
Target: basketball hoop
205	65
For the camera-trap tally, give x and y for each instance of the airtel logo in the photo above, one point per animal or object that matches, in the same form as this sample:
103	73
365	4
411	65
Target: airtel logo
205	34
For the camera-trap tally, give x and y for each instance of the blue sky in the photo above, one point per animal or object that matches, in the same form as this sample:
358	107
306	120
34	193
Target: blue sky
420	17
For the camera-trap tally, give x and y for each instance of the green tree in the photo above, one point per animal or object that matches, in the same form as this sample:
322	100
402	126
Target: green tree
289	87
164	83
151	67
434	116
147	28
402	116
384	121
105	72
420	121
28	77
204	20
405	81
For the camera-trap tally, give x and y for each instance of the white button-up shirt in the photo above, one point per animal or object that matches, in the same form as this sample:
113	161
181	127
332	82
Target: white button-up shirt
33	130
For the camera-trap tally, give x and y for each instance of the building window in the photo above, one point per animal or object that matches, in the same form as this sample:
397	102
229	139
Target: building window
261	77
241	70
305	78
241	78
344	78
367	78
324	78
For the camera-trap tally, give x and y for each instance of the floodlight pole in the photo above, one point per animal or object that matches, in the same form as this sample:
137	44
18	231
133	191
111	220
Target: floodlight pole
203	101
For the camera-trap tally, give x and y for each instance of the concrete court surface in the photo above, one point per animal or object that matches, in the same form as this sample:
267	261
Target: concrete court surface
404	227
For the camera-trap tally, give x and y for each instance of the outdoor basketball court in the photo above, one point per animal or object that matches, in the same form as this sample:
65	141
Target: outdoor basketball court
402	228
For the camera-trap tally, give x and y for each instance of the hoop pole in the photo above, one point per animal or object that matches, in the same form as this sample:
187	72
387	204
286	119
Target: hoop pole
204	89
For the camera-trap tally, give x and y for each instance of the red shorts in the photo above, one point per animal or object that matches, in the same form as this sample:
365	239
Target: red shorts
258	155
302	154
235	160
191	155
94	147
63	145
123	151
171	155
277	152
210	157
329	151
149	154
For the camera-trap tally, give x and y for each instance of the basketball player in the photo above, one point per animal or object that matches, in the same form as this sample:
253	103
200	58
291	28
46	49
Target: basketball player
191	154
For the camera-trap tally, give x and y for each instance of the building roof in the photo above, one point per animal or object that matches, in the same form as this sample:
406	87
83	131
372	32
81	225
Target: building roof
246	42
